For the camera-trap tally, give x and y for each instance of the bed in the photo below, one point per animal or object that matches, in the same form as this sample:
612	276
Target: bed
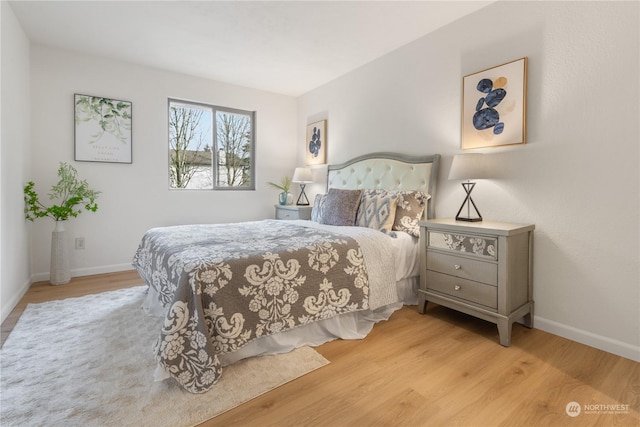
232	291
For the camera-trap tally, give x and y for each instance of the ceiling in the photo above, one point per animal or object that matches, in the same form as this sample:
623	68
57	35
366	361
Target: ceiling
287	47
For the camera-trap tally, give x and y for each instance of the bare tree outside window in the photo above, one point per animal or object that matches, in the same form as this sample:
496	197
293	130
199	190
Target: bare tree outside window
234	135
188	141
193	161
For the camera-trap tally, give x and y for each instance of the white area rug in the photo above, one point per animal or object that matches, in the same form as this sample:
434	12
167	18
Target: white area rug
88	362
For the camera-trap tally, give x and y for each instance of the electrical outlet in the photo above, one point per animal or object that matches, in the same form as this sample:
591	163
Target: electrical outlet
79	242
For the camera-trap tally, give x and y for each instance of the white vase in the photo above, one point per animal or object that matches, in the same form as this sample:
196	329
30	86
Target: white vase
60	273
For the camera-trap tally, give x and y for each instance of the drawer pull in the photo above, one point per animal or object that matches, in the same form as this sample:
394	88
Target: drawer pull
457	288
457	266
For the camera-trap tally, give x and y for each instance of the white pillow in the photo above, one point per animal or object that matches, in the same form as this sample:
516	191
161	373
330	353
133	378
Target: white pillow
318	207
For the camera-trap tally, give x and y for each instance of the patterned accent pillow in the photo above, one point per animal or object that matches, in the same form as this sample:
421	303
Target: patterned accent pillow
411	206
341	207
377	210
318	207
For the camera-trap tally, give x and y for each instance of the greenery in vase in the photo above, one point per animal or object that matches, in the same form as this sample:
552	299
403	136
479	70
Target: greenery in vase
73	194
284	185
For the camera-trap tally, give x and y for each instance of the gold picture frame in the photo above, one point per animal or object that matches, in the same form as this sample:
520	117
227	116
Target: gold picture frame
494	106
316	143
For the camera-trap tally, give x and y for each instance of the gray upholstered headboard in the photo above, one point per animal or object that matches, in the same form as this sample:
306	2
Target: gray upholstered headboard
388	171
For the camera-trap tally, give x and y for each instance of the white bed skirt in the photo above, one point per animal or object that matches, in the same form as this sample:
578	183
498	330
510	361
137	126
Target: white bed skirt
353	325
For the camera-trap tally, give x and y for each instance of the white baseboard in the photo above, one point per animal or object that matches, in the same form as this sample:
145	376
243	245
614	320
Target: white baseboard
90	271
101	270
8	306
588	338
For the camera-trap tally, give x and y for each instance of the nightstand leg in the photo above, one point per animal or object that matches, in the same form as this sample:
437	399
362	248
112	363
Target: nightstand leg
504	331
528	320
422	303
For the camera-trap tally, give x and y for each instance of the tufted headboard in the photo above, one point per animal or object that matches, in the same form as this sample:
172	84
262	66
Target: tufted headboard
388	171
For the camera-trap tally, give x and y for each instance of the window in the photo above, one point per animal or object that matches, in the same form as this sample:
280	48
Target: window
210	147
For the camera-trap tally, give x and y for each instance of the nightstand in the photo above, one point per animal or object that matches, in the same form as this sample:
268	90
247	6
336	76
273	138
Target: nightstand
293	212
484	269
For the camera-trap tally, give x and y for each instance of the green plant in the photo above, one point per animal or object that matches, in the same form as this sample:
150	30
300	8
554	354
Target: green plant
284	185
72	193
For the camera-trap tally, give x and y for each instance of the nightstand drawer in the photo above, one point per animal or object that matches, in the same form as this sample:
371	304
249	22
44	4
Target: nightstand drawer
293	212
473	292
475	245
286	214
466	268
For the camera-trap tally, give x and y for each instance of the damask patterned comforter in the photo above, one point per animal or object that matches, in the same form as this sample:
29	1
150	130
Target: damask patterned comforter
225	285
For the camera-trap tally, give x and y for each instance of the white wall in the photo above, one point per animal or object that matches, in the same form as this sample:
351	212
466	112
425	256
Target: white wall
14	158
576	178
135	197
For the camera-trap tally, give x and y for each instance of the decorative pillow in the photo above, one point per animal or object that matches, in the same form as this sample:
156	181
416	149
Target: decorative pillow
411	205
377	210
318	207
341	207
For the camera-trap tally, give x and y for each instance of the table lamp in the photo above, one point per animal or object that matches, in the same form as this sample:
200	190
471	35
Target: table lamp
303	177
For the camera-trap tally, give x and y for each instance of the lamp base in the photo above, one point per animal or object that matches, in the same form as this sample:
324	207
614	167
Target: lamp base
468	201
302	198
458	218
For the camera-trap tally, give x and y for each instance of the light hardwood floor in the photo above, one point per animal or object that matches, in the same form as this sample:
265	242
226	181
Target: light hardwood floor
439	369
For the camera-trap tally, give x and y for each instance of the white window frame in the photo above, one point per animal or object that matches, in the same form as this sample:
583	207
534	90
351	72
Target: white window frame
215	162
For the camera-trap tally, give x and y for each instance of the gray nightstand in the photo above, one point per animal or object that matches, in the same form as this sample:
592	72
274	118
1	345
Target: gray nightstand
484	269
293	212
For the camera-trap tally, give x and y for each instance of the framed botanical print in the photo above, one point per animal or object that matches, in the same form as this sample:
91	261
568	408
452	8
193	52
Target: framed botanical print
494	105
102	129
316	143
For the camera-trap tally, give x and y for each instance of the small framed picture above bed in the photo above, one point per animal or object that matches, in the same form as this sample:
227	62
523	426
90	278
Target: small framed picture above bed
316	143
494	106
102	129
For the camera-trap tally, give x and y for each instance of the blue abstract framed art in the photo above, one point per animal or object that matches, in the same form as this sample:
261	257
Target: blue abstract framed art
494	104
316	143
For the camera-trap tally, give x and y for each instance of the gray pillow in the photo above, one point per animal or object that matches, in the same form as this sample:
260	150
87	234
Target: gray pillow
341	207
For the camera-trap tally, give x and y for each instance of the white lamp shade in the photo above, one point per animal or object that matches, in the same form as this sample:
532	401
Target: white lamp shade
302	176
468	166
